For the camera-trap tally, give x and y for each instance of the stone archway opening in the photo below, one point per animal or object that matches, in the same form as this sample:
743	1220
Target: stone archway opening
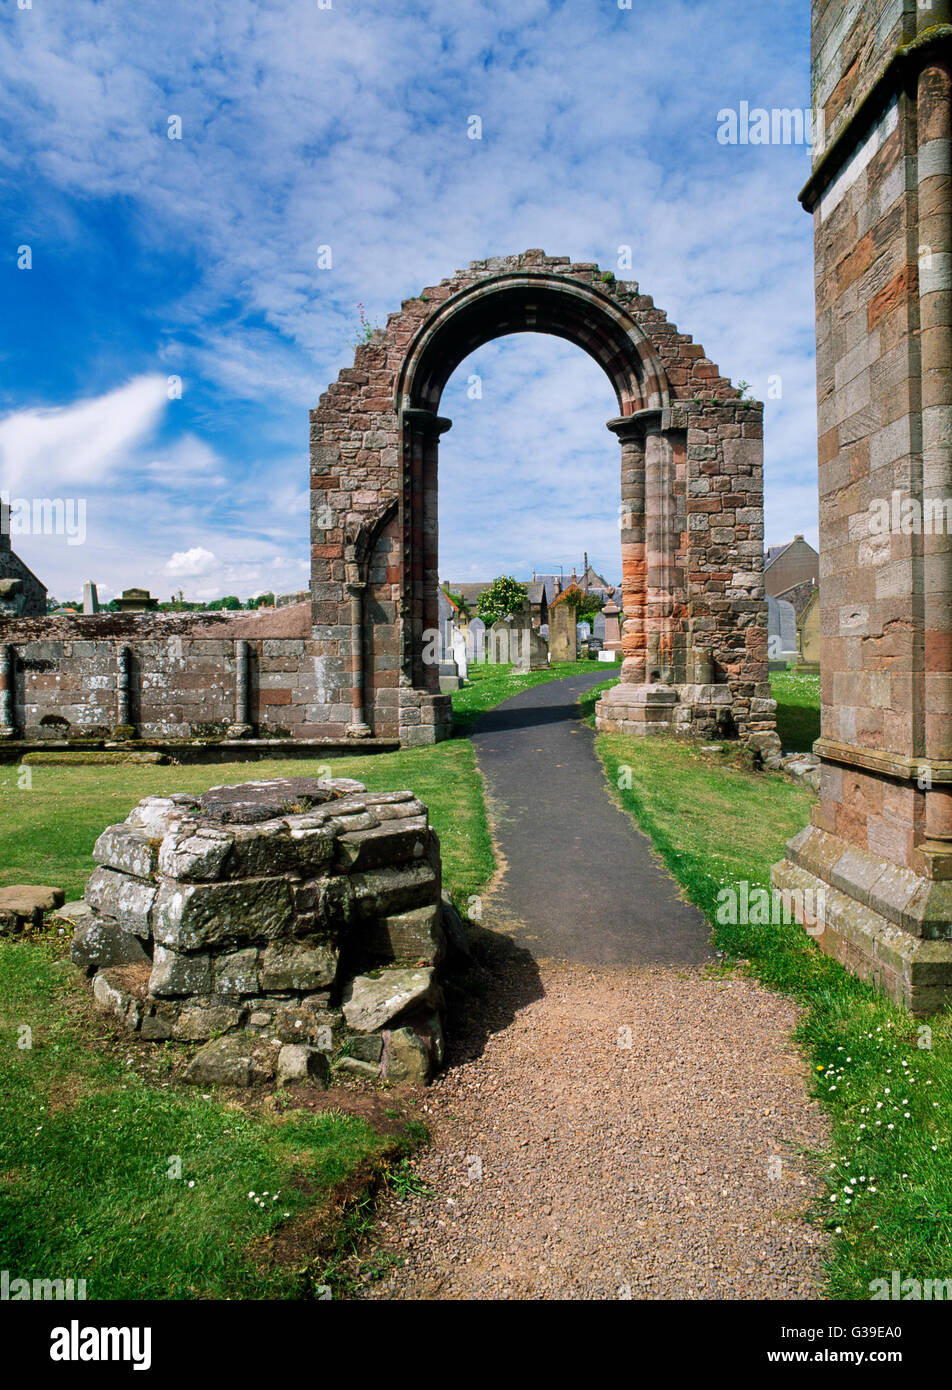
691	481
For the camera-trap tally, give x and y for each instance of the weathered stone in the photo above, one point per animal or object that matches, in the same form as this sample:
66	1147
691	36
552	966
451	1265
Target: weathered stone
387	844
261	801
372	1002
385	892
353	1066
408	936
127	849
237	973
366	1046
196	1022
454	930
237	1060
297	965
176	974
119	991
307	1020
188	917
128	900
100	942
300	1065
194	855
157	815
406	1058
27	900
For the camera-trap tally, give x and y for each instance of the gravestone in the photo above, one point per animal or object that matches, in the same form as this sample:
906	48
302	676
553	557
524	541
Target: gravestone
460	655
611	636
781	630
476	640
563	638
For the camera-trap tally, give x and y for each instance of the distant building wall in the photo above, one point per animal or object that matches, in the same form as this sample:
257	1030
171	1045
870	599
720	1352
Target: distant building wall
798	564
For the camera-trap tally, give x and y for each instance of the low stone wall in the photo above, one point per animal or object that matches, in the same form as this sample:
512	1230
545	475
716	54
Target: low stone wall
167	676
306	913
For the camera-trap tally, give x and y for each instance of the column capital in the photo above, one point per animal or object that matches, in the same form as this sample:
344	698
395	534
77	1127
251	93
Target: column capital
426	421
636	426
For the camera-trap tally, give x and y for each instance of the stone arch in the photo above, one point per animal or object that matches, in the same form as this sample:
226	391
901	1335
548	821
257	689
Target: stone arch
534	302
694	632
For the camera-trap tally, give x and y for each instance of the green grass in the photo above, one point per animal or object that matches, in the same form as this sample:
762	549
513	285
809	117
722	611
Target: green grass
86	1140
490	684
798	709
88	1151
716	825
49	825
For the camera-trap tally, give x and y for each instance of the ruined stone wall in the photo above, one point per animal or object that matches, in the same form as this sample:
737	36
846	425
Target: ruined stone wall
692	556
182	674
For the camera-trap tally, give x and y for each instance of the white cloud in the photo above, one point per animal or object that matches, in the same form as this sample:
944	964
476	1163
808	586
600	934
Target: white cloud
191	564
80	445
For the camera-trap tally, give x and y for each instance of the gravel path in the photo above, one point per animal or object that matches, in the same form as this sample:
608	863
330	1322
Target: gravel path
603	1130
565	1165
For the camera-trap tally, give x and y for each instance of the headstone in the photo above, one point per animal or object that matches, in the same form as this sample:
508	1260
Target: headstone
598	626
781	630
90	597
499	642
611	619
460	655
584	631
476	640
563	639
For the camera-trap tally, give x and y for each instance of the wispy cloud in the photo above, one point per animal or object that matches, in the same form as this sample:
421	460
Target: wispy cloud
348	127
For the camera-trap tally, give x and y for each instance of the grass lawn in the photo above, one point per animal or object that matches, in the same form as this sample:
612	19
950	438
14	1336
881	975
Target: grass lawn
885	1080
88	1139
798	709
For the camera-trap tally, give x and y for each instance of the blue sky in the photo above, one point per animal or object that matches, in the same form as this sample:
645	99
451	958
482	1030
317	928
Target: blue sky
348	126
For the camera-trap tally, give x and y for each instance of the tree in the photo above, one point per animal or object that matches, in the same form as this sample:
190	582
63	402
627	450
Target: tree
504	596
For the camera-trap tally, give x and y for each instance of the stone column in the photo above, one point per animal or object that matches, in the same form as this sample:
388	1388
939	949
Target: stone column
630	431
420	514
358	727
124	727
8	666
241	728
933	136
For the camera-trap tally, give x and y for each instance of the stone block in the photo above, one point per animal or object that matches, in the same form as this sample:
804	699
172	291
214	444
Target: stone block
371	1002
177	974
297	965
126	849
129	901
300	1065
189	917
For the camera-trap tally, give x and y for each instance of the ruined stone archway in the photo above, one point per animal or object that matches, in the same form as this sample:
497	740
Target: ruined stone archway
694	633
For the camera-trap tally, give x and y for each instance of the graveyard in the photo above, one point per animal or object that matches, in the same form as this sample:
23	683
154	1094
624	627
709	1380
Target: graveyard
484	832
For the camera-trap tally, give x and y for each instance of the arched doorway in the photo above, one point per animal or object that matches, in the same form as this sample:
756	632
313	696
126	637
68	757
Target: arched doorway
691	468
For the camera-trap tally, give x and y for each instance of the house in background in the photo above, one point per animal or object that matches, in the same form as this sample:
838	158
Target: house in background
788	566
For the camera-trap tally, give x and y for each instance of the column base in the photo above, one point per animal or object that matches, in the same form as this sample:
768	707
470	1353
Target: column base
887	924
239	731
700	711
7	732
358	730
